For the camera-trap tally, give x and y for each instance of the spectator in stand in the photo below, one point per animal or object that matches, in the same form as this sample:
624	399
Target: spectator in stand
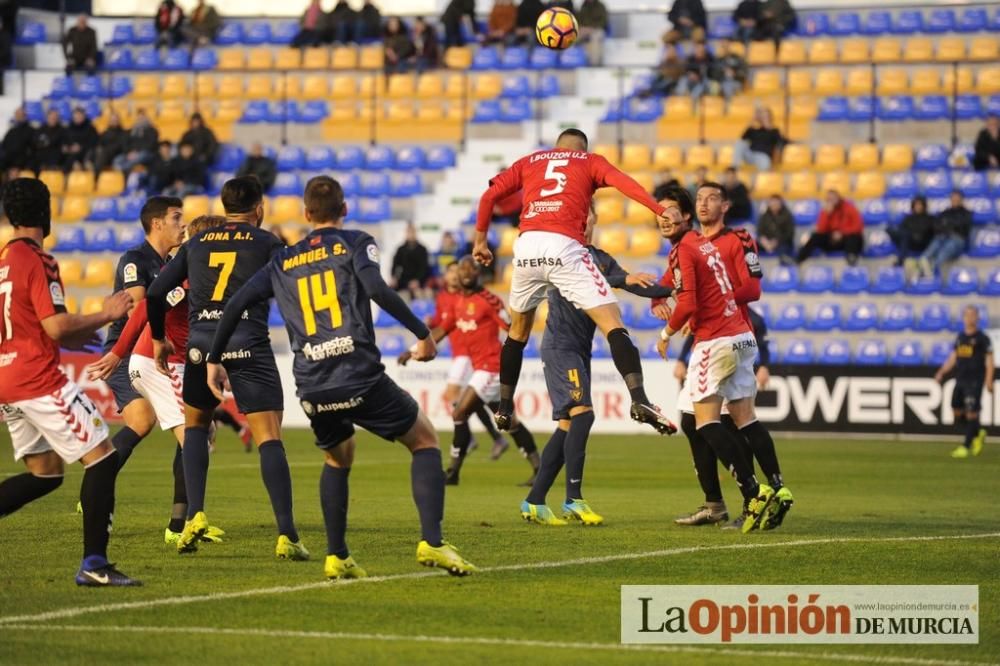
563	4
951	236
839	227
80	47
668	74
111	143
688	21
397	46
775	20
49	141
913	233
988	145
260	165
81	138
457	13
699	73
501	23
761	143
745	17
312	26
202	140
425	44
776	230
188	173
18	145
410	265
592	18
700	178
159	172
169	21
203	25
142	142
448	252
369	23
527	15
731	71
340	23
740	206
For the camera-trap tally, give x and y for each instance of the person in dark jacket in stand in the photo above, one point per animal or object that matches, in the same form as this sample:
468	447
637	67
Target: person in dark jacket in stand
688	20
260	165
201	139
188	173
141	145
740	206
776	230
18	146
81	138
951	236
425	43
455	14
169	20
988	146
913	234
398	48
527	16
111	143
340	23
410	264
369	23
49	141
80	47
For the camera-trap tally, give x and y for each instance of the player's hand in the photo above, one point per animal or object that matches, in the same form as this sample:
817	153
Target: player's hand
989	387
481	253
662	311
763	377
686	331
939	377
116	305
680	371
404	358
103	368
162	349
641	279
424	350
218	380
661	348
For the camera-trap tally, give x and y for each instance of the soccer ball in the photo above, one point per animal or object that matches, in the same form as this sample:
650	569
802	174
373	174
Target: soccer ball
556	28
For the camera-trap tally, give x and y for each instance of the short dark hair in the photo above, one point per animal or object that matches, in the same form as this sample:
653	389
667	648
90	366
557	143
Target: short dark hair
572	131
157	207
27	203
674	192
241	195
324	199
711	184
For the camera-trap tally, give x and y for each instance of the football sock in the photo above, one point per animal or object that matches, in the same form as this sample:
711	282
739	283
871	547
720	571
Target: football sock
487	419
19	490
576	453
626	357
706	464
180	493
727	447
195	468
333	499
523	439
762	445
278	481
552	461
511	357
125	441
427	481
223	416
461	440
97	496
971	431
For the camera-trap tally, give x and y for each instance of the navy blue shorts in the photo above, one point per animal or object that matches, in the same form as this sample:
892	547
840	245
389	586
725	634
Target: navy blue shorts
967	396
253	375
384	410
567	378
121	385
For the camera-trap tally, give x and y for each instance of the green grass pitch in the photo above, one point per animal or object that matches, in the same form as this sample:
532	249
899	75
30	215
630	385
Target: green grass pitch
858	493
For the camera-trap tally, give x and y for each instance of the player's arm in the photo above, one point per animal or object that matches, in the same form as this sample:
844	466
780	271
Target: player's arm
747	284
498	311
607	175
946	367
988	359
686	304
73	331
659	306
503	184
763	349
107	364
438	333
172	276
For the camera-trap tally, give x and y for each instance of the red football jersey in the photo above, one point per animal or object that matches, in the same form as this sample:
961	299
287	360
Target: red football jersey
558	187
136	338
702	283
739	250
30	291
444	306
478	319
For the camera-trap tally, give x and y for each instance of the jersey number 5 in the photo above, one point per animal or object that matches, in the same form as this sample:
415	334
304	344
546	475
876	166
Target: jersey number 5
552	173
319	292
226	260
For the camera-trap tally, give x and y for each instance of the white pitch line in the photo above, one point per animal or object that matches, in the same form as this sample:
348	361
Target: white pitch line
503	642
286	589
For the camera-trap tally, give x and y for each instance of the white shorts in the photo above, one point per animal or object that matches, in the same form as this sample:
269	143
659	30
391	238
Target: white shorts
486	385
163	393
542	260
723	367
684	403
460	371
65	421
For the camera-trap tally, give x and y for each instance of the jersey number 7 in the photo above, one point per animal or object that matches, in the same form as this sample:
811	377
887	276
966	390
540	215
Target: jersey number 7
226	260
319	292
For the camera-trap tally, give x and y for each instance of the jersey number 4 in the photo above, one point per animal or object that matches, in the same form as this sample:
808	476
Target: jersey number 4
319	292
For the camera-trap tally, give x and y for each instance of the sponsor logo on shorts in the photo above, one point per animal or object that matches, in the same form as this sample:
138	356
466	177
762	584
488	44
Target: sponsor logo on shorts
194	355
236	355
56	291
7	359
130	273
10	411
98	422
536	208
538	262
329	348
749	343
311	408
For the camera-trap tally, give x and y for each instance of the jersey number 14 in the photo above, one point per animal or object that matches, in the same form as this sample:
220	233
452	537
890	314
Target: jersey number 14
318	292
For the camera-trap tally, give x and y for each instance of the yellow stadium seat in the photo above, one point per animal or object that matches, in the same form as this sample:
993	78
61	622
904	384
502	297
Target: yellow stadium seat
286	208
455	86
796	157
217	208
343	58
645	179
91	305
869	185
174	86
430	86
228	111
897	157
887	49
766	82
760	53
368	85
767	183
862	157
99	273
195	205
712	108
608	151
636	156
988	81
145	86
487	86
371	57
612	240
110	184
458	57
965	81
925	81
950	49
430	111
507	238
644	243
315	86
792	52
260	58
803	109
401	86
343	88
822	51
74	208
171	112
855	50
54	180
667	156
609	209
860	81
231	85
801	185
80	182
799	82
287	87
839	181
71	272
829	82
724	157
698	156
678	107
893	81
984	48
72	305
918	49
637	214
740	111
230	59
205	86
505	277
399	111
286	59
829	157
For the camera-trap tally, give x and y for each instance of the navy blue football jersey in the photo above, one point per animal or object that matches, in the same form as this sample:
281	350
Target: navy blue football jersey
137	267
970	357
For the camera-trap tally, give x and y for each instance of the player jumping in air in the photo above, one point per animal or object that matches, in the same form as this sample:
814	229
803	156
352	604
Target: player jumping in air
216	263
477	317
566	352
52	421
972	361
324	286
558	186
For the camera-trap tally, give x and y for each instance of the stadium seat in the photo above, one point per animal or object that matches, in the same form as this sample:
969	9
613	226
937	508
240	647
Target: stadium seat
853	280
985	243
862	317
830	157
893	81
855	51
886	50
867	185
888	280
379	157
834	352
862	109
440	157
940	351
973	19
543	59
129	238
814	25
644	242
805	212
871	352
822	51
940	21
486	58
845	23
760	54
375	185
102	240
290	158
514	58
897	157
799	82
102	209
799	352
874	211
802	185
410	158
374	210
984	49
146	59
72	208
816	279
406	185
932	156
796	157
70	239
54	180
828	82
876	23
951	49
962	280
827	318
896	317
791	52
991	285
863	157
766	184
790	318
287	184
923	286
918	49
937	183
983	210
258	33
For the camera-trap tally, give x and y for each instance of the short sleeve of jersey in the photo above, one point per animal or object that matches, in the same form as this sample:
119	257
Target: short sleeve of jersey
45	288
750	254
134	271
365	252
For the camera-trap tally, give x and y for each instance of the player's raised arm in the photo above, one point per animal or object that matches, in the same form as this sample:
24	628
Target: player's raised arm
73	331
107	364
640	284
503	184
686	304
746	287
172	276
607	175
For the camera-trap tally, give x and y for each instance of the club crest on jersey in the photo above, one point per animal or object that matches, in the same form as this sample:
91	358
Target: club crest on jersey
130	273
58	297
470	308
372	251
194	355
576	395
753	261
175	296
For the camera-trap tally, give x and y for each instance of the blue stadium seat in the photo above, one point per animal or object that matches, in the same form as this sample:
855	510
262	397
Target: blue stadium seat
790	318
548	86
973	184
992	106
319	158
833	109
862	317
895	109
283	33
287	184
876	23
908	353
440	157
444	349
937	183
515	57
649	350
888	280
816	279
258	33
311	111
898	209
515	85
63	107
923	286
146	59
780	280
274	318
487	111
229	157
936	205
572	58
118	59
896	317
407	184
102	240
516	110
827	318
378	158
721	26
940	20
940	351
983	210
762	309
350	157
543	59
901	185
645	320
932	107
384	320
962	280
531	349
973	19
229	34
281	112
861	109
410	157
871	352
878	243
145	34
255	111
805	212
62	87
985	243
664	248
30	32
485	59
853	280
874	211
391	345
847	23
70	239
991	285
351	184
908	22
128	208
177	60
122	35
643	110
89	87
291	158
799	352
615	112
933	318
102	209
834	352
994	21
375	185
120	86
422	307
814	25
968	107
374	210
204	60
352	203
599	348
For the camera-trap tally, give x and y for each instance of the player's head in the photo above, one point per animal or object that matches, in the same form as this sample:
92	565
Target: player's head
243	199
572	139
970	317
201	223
451	279
27	203
468	272
711	202
162	219
588	229
324	201
676	221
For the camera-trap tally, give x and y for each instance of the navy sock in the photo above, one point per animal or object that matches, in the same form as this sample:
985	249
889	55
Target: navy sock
97	496
427	482
195	458
180	493
461	441
333	493
706	464
125	441
552	462
19	490
971	431
762	445
487	419
523	439
625	355
278	481
576	453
